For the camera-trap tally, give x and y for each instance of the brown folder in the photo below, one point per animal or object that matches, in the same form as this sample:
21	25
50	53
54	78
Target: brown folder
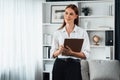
74	43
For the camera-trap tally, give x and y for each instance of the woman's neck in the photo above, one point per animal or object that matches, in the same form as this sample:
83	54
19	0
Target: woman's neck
69	28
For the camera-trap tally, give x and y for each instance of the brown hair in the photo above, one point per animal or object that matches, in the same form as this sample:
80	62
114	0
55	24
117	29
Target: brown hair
76	21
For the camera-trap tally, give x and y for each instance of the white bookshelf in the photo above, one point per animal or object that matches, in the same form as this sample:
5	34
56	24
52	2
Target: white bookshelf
101	19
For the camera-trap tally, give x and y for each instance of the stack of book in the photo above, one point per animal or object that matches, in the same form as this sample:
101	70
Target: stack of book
46	51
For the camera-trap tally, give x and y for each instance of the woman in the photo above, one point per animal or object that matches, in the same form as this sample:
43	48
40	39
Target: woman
67	63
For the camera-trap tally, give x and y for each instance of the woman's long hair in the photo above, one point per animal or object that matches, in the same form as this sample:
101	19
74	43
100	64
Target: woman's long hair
76	21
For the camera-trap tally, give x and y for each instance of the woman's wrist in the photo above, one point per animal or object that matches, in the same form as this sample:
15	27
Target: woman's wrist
72	53
56	53
54	56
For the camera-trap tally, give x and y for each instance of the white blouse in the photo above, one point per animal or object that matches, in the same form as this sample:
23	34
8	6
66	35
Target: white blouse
60	35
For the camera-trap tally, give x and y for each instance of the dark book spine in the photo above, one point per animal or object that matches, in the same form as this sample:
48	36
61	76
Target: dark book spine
46	76
109	38
49	48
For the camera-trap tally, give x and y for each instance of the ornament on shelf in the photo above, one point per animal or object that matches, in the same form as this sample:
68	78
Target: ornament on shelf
86	10
86	24
96	39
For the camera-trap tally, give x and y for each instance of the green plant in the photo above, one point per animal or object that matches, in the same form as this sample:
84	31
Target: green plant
86	10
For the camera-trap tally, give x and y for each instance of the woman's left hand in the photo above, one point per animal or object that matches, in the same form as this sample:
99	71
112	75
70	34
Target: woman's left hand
67	51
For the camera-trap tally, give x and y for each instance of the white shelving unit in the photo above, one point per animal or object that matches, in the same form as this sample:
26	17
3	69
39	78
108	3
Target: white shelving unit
98	22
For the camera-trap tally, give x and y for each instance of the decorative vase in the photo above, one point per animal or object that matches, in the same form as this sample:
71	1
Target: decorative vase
86	13
86	23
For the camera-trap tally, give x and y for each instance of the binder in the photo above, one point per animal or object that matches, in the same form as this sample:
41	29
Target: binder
109	38
46	76
74	43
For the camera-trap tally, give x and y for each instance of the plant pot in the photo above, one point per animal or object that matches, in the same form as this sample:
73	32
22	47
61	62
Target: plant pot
86	14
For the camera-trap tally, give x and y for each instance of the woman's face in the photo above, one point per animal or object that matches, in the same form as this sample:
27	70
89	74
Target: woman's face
69	15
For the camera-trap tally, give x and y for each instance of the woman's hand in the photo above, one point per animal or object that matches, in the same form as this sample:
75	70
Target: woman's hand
67	51
59	51
61	48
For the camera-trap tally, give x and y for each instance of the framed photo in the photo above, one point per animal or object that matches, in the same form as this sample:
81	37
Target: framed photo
57	13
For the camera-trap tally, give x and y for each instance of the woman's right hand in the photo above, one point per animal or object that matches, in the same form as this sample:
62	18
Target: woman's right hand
59	51
61	48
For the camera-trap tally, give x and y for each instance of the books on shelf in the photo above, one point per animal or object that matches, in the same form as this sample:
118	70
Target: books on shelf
111	10
47	39
109	38
104	28
46	51
46	76
48	67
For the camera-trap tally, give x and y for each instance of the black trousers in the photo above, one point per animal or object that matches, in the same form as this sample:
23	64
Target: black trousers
66	69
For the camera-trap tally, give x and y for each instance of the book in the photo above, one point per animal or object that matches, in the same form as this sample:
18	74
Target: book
74	43
46	76
109	38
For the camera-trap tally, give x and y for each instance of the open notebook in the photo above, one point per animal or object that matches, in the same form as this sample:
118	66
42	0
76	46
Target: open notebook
74	43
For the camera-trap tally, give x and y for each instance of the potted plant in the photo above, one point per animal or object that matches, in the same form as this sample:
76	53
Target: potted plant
86	10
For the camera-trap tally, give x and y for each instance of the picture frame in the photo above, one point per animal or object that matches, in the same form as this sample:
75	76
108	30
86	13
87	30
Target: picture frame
57	13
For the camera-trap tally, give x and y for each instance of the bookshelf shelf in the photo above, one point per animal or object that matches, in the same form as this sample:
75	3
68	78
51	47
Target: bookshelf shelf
45	45
99	29
47	24
49	59
96	16
47	71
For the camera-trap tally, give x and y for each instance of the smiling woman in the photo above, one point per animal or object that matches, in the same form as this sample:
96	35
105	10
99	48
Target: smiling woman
67	63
